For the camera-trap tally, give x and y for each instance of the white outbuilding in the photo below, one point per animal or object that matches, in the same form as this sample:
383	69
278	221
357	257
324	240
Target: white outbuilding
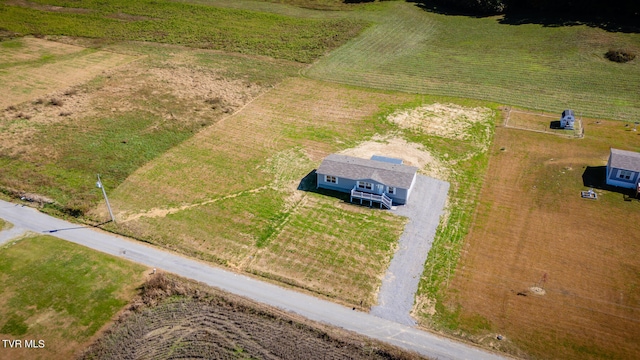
567	120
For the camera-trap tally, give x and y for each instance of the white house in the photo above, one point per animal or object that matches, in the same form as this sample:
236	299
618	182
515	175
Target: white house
623	169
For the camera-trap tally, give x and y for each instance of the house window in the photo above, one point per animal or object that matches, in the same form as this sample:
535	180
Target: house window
331	179
391	190
363	185
625	174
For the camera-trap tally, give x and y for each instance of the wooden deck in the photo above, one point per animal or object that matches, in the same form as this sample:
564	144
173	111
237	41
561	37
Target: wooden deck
382	199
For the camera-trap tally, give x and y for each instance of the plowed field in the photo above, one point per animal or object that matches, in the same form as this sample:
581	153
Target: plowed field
179	319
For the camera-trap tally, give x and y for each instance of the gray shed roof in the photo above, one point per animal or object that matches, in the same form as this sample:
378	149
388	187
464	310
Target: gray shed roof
623	159
349	167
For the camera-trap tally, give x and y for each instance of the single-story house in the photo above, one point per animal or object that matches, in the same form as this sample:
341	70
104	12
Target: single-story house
623	169
568	119
379	179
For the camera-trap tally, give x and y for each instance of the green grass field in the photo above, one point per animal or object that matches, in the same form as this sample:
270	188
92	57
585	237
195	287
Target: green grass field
234	30
184	173
530	66
60	293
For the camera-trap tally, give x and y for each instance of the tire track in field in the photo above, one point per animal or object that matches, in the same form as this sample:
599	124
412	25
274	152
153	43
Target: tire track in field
163	212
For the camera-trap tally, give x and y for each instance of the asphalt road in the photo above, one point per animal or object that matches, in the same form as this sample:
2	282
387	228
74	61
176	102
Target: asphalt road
28	219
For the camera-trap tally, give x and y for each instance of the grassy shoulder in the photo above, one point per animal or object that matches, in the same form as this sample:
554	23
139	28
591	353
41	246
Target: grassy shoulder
61	293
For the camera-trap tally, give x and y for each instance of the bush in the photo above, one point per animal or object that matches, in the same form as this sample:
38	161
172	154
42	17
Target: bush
620	55
56	102
485	7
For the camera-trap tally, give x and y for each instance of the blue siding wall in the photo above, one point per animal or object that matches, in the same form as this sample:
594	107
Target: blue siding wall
345	185
613	179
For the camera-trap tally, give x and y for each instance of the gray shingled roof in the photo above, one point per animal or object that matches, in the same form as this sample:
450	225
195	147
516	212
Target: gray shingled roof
623	159
349	167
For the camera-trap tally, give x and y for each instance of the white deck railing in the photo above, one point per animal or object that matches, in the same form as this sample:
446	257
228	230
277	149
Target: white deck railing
382	198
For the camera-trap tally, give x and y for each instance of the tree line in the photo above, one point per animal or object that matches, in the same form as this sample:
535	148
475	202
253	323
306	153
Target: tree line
626	11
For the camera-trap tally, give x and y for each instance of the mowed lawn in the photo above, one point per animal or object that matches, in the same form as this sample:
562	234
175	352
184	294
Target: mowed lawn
529	65
230	194
246	31
60	293
532	228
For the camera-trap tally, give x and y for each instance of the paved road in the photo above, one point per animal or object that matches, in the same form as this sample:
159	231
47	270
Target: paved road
308	306
400	282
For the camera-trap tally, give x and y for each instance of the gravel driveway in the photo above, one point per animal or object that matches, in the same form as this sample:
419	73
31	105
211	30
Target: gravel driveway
400	283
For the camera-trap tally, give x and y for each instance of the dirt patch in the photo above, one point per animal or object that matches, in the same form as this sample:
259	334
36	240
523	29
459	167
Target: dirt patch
424	305
411	153
176	318
50	8
30	81
218	92
58	93
537	290
445	120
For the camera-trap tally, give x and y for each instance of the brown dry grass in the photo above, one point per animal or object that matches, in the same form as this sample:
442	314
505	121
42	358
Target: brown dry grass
533	229
34	49
223	159
53	66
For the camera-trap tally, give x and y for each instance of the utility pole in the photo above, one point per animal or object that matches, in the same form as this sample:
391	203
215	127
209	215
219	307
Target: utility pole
99	185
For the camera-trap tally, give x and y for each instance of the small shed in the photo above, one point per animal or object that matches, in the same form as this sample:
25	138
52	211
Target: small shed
623	169
567	120
381	179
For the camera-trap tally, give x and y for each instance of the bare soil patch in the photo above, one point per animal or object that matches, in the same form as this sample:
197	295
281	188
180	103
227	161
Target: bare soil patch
176	318
64	66
412	154
446	120
46	7
534	234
